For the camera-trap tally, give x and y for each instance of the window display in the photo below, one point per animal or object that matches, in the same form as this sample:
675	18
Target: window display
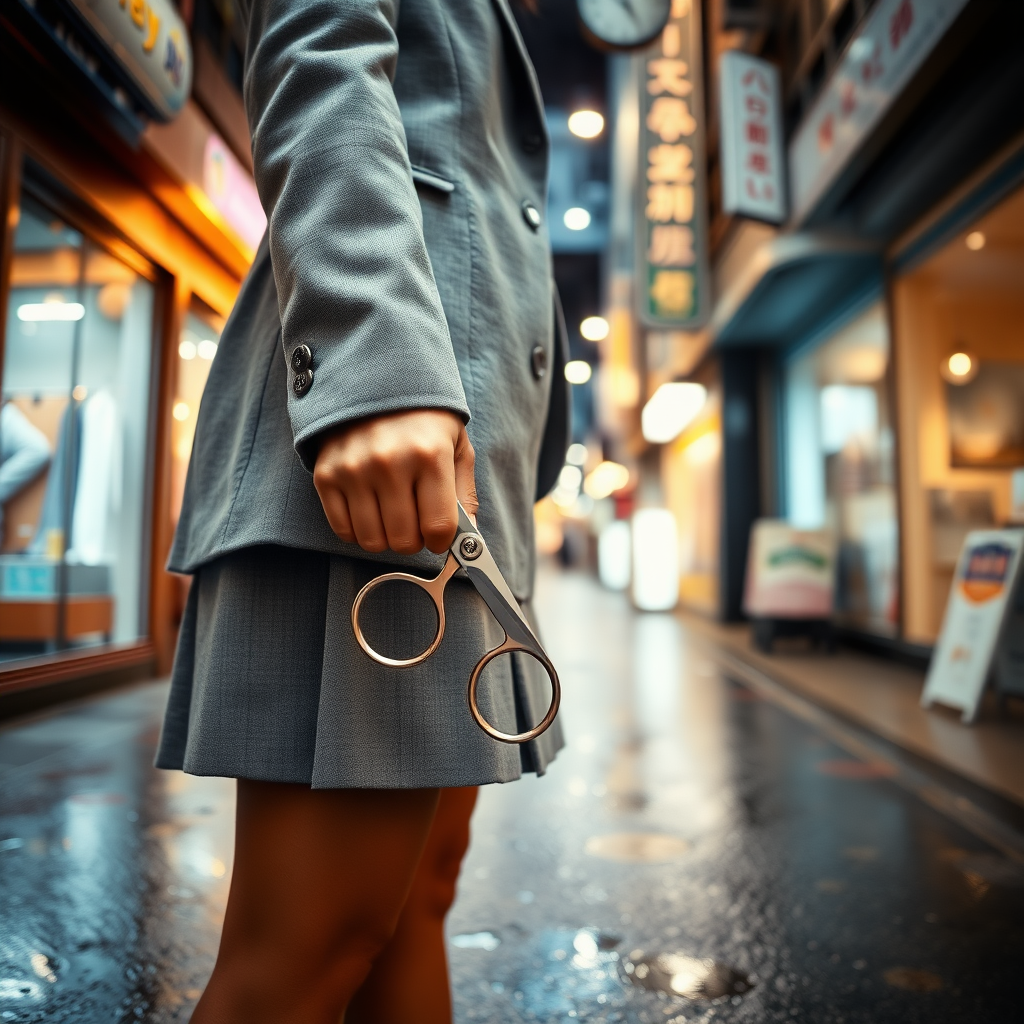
197	346
840	465
74	429
957	315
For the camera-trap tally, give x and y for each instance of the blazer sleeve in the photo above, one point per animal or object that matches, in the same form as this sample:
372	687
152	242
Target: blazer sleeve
350	263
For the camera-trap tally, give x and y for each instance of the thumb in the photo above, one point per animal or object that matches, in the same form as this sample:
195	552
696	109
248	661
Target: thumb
465	481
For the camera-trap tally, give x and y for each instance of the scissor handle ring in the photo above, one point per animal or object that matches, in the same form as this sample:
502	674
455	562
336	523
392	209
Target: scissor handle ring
434	587
508	647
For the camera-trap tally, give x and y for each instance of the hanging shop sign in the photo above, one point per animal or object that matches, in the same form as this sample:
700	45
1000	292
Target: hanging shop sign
986	576
149	41
876	67
673	264
753	178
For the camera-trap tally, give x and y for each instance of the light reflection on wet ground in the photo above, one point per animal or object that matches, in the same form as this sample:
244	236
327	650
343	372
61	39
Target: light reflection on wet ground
819	894
113	876
691	832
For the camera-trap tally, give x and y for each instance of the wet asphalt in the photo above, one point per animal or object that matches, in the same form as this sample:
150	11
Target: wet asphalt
695	853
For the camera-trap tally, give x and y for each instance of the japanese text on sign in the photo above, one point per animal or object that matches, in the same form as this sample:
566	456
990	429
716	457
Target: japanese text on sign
752	161
892	44
673	258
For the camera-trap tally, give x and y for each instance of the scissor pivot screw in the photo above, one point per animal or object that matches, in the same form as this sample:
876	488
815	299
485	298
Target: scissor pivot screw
470	548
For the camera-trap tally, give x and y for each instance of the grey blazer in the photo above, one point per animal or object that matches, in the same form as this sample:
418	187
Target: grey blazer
401	154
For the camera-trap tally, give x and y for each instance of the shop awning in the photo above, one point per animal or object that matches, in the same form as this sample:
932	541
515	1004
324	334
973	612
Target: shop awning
792	286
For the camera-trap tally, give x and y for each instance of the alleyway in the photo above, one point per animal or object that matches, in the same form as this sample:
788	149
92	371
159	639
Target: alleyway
696	853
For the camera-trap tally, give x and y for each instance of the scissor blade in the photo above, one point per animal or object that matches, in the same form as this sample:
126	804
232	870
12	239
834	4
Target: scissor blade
485	575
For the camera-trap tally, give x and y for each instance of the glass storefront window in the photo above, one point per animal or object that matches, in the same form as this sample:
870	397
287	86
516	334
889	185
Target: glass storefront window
960	359
74	430
840	464
197	346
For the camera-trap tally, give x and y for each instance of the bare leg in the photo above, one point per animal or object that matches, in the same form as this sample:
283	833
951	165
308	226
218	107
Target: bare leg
409	979
320	880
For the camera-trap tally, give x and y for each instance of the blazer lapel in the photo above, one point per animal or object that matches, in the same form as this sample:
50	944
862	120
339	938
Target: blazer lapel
512	28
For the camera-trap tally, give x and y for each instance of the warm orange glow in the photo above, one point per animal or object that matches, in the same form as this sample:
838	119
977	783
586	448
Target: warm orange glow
960	364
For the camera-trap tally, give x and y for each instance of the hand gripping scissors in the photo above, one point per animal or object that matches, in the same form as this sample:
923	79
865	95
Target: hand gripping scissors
469	553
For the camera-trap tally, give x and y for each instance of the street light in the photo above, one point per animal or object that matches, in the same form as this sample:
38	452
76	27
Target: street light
578	371
586	124
594	328
670	411
576	218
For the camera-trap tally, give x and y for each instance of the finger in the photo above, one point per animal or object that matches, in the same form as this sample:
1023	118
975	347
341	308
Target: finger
435	504
367	523
401	520
336	510
465	480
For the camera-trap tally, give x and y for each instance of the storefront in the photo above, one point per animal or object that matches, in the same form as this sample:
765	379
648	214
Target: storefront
958	307
902	250
116	274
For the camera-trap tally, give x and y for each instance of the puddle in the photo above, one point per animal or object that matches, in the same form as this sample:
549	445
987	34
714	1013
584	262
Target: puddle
45	967
847	768
911	979
17	989
476	940
569	974
677	974
637	847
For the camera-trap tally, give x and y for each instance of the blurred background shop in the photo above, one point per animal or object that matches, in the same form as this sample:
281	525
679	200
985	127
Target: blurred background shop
130	217
785	237
849	339
788	236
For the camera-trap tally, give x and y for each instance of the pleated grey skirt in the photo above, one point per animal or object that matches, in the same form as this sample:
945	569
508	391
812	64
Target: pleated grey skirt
269	683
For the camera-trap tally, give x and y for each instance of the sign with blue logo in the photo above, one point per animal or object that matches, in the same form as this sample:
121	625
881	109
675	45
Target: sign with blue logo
986	575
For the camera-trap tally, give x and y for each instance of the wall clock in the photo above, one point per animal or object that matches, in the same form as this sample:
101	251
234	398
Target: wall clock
623	24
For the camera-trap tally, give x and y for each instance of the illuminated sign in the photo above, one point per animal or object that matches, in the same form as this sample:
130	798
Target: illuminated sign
150	42
673	267
232	191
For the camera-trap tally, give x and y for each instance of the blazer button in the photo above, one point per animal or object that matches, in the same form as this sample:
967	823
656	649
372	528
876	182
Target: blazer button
301	358
302	382
539	362
531	215
532	141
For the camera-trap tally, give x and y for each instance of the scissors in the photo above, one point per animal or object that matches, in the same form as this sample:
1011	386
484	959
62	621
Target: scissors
469	553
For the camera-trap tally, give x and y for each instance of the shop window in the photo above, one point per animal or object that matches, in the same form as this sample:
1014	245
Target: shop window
960	379
197	345
840	465
692	477
74	430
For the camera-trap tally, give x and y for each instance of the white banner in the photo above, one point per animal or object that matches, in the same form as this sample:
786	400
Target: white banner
985	577
753	169
881	60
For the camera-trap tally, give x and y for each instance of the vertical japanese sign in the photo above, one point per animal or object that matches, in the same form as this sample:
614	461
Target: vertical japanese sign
672	224
753	183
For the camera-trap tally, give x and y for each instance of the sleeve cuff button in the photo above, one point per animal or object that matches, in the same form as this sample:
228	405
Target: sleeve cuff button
301	358
302	382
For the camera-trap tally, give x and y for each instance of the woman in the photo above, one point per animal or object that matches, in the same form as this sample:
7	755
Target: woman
393	348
